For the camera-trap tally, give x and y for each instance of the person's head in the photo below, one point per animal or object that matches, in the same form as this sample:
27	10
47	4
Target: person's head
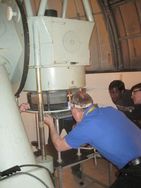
79	102
136	93
116	88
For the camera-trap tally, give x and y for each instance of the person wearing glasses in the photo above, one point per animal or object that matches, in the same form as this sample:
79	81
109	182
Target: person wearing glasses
136	96
109	131
127	101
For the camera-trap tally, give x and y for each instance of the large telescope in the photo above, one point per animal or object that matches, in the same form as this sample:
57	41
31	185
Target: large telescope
39	54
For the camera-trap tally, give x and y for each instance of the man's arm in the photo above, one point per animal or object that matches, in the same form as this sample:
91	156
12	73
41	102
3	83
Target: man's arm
59	143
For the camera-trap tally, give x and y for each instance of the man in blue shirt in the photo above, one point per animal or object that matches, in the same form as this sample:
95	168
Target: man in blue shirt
109	131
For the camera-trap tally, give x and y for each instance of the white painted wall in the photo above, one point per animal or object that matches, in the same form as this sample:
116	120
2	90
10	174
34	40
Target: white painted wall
28	120
97	87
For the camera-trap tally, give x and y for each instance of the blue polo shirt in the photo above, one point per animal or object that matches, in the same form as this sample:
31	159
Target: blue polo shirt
110	132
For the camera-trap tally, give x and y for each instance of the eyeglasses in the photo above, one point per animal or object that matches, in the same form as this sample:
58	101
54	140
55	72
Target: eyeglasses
134	91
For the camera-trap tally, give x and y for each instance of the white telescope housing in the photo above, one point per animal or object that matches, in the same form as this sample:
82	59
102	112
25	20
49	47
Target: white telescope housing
62	47
37	53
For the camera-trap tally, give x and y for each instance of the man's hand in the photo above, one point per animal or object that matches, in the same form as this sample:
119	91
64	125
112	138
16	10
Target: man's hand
24	106
59	143
48	120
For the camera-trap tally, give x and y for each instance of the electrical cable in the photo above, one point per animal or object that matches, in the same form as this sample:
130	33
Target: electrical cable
13	171
26	173
40	166
26	47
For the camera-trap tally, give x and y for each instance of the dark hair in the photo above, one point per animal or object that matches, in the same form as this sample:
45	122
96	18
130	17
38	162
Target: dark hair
136	86
117	84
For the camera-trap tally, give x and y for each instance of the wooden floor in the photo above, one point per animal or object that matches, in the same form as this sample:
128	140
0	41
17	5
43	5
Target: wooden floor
95	175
